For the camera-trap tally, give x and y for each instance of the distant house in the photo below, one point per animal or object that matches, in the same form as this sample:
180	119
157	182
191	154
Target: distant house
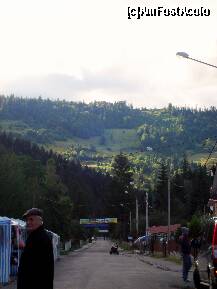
160	234
150	149
161	230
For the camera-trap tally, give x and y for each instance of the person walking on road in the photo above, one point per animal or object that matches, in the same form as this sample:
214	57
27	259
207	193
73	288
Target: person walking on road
36	268
186	253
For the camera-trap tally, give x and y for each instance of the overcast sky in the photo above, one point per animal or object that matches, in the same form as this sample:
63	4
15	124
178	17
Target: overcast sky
86	50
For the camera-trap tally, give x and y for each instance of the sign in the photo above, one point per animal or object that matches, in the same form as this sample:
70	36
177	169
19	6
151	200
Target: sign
98	226
99	221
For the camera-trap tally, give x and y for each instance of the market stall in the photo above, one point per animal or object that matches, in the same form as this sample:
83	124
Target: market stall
5	249
56	244
18	237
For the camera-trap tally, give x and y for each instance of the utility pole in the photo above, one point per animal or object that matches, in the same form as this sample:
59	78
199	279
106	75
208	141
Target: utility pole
130	223
146	211
168	236
169	206
137	217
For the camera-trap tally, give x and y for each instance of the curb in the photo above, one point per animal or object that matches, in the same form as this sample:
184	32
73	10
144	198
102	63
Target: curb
85	247
154	264
159	266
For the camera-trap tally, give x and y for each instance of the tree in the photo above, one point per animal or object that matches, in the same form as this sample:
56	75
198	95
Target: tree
55	202
195	226
122	195
161	196
34	172
13	193
121	170
201	190
123	176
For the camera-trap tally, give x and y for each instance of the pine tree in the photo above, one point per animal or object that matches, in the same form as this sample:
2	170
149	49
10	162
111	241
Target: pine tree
161	196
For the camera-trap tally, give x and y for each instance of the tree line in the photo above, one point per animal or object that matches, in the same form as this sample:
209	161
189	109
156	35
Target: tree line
166	130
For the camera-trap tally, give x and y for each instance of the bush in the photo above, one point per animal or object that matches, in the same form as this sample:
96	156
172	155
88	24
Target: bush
195	226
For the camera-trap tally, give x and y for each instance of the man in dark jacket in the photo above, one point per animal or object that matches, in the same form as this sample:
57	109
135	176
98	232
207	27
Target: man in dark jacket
36	269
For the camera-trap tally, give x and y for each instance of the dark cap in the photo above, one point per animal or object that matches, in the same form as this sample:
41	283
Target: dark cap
33	212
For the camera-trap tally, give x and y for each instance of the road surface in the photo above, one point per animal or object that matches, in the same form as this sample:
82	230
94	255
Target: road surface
95	268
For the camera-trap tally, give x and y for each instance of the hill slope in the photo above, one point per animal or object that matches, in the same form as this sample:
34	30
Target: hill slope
99	129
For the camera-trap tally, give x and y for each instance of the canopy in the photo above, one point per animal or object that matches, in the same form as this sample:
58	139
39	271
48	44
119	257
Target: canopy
5	249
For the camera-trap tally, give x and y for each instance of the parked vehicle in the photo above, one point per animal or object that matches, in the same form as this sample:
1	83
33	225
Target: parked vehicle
205	272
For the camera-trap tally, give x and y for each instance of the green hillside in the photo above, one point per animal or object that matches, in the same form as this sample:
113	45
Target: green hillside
112	140
95	132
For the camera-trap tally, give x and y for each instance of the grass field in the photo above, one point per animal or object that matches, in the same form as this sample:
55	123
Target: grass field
13	126
112	142
202	158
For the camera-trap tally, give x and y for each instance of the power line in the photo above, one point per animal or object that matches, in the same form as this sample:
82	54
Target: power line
211	152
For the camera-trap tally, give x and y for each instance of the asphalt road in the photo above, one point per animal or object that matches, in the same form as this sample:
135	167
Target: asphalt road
95	268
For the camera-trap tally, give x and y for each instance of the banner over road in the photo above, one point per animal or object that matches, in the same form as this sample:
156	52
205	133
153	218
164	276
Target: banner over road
98	221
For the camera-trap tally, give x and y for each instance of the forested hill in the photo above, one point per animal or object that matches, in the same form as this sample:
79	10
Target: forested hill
164	130
33	177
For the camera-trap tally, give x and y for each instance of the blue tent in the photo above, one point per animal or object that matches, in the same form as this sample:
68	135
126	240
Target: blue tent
18	236
5	249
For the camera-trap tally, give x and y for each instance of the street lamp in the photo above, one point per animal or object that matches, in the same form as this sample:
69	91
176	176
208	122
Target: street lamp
185	55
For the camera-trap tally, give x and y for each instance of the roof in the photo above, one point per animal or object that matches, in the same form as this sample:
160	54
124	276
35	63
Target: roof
163	229
18	222
5	220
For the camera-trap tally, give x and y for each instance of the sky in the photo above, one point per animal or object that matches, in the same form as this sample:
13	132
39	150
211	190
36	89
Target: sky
89	50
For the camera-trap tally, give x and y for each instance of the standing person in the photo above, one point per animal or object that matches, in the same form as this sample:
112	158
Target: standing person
186	253
195	244
36	269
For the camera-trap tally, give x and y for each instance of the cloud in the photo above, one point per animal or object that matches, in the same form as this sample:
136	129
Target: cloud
89	50
68	87
115	84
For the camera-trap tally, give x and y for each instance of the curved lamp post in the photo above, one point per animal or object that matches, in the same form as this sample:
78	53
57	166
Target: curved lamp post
185	55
